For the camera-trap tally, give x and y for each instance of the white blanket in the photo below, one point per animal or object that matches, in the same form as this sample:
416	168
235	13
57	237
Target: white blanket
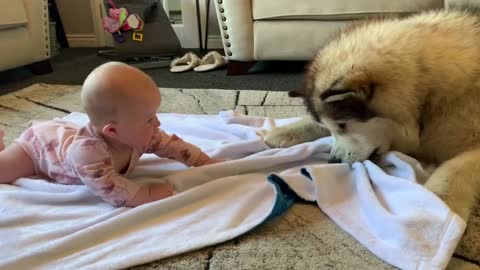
50	226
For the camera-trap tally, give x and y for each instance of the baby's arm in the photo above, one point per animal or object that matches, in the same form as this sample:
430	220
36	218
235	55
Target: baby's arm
151	193
173	147
92	162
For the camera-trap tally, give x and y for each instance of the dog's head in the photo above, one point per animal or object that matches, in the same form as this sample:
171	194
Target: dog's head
340	97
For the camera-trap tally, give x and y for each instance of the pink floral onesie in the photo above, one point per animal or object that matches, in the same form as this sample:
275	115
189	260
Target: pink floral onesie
71	154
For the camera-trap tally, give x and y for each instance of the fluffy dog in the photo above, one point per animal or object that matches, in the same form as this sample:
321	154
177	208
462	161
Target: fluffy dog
408	84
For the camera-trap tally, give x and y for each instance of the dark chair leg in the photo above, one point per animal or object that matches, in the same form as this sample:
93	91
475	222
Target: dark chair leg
40	68
238	68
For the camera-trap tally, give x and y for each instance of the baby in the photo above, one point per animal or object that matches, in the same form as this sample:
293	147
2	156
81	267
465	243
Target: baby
121	102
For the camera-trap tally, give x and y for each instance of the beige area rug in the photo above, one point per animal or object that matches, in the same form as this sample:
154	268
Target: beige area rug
303	238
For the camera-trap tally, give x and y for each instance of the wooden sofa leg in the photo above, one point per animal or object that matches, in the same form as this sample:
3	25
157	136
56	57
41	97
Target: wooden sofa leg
40	68
236	68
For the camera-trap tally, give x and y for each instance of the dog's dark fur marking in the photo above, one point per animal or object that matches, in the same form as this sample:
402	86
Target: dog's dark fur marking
347	109
332	92
294	93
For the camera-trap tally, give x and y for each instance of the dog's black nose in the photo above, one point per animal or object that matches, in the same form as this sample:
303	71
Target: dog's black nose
333	160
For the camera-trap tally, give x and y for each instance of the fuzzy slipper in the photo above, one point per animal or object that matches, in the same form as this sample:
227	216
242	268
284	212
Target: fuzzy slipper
210	61
184	63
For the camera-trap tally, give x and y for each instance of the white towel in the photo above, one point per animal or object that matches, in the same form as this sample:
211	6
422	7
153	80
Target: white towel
50	226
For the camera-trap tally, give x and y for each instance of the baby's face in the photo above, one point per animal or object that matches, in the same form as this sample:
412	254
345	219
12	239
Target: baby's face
128	97
140	122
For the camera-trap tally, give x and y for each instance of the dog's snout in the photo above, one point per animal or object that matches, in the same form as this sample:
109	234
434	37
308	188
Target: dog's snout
333	160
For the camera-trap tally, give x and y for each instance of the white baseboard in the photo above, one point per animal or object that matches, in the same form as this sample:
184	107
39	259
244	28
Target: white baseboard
215	42
82	40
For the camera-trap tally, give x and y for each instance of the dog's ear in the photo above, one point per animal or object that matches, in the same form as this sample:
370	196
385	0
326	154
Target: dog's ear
360	88
307	85
295	93
331	95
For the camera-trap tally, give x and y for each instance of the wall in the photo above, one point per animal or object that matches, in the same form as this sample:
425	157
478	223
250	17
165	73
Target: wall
214	41
174	4
77	21
213	28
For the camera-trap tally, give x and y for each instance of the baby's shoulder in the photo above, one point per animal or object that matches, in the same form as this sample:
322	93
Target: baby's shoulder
88	149
88	143
84	139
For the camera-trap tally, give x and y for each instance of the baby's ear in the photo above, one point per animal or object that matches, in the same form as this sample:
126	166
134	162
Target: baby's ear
110	130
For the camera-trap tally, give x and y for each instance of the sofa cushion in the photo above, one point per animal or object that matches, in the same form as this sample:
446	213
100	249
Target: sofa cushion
335	9
12	14
273	39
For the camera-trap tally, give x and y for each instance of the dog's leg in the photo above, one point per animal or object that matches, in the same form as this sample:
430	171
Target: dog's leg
305	130
457	182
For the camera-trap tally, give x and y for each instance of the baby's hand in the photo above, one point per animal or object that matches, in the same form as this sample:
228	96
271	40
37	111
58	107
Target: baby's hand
161	191
213	161
204	159
152	193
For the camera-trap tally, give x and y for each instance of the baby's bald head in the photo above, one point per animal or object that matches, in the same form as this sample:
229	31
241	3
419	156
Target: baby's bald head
114	89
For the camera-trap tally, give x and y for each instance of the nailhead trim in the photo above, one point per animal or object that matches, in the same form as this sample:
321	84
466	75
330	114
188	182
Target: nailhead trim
225	28
46	25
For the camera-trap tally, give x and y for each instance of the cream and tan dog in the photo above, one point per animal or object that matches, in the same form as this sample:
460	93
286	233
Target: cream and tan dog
408	84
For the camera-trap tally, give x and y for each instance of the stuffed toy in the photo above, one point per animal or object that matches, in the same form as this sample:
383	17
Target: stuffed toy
118	20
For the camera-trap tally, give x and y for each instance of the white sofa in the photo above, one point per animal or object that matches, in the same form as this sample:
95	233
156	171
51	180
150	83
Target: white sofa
256	30
24	35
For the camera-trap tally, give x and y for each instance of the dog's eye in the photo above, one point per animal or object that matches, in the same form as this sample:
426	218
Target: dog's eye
342	126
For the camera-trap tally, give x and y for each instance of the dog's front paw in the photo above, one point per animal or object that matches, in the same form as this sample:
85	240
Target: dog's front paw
281	138
305	130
